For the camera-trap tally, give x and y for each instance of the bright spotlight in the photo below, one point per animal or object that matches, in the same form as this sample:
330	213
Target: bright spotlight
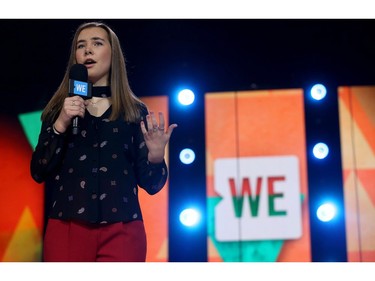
187	156
186	97
318	91
190	217
326	212
320	150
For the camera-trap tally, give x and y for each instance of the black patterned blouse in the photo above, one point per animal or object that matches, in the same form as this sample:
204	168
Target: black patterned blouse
94	176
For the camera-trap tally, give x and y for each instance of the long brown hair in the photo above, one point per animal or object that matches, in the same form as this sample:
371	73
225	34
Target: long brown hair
124	101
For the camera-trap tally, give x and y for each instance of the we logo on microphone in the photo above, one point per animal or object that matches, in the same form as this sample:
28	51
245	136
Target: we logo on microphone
81	88
261	198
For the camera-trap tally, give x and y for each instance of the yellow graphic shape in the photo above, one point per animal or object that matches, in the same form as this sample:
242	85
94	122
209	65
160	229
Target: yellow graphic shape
364	220
364	154
163	251
212	251
26	242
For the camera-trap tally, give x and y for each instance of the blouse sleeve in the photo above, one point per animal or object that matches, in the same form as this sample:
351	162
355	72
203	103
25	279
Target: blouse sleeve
48	153
151	177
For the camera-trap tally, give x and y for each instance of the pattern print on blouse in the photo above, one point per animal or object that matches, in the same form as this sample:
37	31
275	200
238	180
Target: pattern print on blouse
129	210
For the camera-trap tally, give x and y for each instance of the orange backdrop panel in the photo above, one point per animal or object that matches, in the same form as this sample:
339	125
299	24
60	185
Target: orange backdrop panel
259	123
357	129
155	207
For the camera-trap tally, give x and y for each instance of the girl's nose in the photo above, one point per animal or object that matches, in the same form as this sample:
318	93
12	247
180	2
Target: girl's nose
88	51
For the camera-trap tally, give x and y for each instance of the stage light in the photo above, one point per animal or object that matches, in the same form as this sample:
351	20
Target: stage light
318	91
186	97
320	150
187	156
190	217
326	212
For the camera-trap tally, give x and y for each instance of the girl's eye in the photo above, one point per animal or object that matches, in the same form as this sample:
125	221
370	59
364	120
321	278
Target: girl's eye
98	43
80	46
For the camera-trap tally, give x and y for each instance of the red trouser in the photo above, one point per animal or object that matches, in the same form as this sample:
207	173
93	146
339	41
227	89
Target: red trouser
68	241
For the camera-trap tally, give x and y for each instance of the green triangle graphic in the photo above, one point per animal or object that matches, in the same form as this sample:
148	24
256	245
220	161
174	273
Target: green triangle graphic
242	251
31	125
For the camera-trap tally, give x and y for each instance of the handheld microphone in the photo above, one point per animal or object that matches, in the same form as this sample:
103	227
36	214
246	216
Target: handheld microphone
78	85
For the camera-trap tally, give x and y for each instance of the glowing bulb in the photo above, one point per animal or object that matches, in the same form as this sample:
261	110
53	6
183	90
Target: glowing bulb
326	212
186	97
189	217
320	150
318	92
187	156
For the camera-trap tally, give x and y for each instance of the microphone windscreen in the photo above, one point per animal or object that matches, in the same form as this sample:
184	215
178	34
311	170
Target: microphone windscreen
78	72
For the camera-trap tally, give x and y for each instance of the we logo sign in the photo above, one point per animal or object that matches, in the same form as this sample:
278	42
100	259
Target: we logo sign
261	198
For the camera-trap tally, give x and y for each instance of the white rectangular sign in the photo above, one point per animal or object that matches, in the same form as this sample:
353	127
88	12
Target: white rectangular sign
261	198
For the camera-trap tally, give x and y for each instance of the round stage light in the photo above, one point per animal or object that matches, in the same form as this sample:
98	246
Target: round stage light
186	97
187	156
320	150
326	212
318	91
190	217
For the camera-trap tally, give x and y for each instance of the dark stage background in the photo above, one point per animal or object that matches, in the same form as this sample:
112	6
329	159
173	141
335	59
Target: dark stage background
211	55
